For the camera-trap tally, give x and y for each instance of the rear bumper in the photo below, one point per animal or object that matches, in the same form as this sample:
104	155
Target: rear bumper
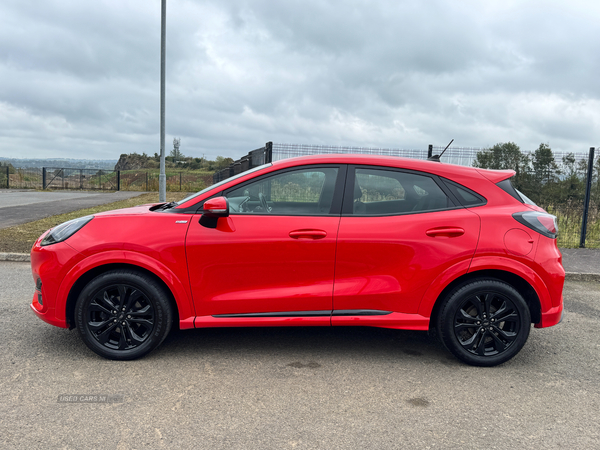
551	317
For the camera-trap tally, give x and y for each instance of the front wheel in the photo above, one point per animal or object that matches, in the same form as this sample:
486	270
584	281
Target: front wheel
123	315
484	322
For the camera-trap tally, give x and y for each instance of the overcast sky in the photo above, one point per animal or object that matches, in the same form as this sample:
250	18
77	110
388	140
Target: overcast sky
81	79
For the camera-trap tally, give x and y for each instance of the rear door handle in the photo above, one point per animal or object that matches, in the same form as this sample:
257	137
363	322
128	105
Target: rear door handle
445	231
308	234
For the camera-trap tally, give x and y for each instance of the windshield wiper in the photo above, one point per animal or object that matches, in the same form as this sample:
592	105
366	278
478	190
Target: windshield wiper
168	205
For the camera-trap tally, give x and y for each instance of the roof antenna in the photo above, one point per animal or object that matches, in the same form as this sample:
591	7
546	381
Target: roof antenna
437	157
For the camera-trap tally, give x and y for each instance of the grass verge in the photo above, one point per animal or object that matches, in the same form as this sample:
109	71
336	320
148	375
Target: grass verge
20	238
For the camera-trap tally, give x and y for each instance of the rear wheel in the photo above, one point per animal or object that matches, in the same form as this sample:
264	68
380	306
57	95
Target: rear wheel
484	322
123	315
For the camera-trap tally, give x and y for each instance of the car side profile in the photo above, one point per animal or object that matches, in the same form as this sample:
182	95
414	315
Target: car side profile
325	240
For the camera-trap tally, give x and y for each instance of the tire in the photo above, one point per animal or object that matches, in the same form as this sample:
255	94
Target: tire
484	322
123	315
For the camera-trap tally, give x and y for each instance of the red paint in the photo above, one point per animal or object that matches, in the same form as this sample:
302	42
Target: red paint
262	263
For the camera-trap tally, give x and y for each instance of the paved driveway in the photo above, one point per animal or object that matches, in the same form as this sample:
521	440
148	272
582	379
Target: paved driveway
296	388
22	206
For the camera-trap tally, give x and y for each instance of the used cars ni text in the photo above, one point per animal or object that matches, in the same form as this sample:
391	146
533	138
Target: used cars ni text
326	240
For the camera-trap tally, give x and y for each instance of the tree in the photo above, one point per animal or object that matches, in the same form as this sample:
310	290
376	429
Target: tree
546	189
221	162
501	156
571	187
545	168
504	156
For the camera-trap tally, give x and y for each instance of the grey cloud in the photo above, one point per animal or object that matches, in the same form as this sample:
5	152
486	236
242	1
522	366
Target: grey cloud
84	77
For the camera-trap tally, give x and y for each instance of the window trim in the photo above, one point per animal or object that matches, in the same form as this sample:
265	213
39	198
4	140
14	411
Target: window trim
449	184
336	201
348	204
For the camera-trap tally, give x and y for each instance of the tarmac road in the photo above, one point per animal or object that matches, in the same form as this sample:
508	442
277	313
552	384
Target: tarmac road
22	206
297	388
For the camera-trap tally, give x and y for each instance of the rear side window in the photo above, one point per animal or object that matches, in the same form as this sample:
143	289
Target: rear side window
383	192
465	196
526	199
507	187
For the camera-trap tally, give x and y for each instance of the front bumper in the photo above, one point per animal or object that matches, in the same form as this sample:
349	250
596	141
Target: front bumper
47	314
51	264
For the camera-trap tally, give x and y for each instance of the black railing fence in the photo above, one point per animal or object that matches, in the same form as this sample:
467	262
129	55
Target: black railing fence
253	159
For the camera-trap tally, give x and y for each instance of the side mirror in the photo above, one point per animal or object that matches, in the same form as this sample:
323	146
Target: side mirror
216	207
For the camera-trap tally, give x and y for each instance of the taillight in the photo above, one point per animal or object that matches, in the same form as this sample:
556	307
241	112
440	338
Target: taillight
543	223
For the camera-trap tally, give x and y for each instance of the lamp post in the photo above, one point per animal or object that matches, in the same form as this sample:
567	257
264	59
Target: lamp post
162	178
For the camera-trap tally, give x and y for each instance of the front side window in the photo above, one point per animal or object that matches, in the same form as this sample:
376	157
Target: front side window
381	192
298	192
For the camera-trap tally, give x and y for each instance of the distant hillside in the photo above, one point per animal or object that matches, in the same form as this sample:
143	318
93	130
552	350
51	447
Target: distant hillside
106	164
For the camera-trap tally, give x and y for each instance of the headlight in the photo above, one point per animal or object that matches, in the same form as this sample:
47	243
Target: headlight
65	230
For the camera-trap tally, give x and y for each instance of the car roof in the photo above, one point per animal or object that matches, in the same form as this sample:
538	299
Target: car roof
439	168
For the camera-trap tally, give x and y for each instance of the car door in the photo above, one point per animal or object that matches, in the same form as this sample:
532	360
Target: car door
399	230
275	254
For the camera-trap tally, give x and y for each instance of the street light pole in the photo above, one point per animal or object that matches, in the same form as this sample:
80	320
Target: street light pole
162	178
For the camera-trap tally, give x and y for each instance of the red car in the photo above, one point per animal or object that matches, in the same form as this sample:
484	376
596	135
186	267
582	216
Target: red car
328	240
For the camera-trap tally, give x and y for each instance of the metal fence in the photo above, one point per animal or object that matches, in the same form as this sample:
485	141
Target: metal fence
570	216
139	180
82	179
466	156
96	179
27	178
283	151
254	158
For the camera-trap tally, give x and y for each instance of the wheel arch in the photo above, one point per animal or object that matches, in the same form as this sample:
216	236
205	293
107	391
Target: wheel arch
94	272
518	283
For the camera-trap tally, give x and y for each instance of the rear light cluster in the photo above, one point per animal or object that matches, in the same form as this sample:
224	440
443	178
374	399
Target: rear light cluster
543	223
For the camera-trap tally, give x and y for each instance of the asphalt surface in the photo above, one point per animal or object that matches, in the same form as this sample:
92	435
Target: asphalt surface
298	388
23	206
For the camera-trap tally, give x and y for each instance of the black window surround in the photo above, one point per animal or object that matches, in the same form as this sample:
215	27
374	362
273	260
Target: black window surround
348	206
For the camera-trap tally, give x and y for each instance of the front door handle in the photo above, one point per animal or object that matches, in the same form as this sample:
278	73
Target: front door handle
308	234
445	231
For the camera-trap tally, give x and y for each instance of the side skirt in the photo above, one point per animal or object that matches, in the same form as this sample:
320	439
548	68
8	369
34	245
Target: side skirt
361	317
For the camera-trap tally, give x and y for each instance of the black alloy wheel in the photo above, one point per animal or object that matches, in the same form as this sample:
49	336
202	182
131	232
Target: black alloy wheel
123	315
484	322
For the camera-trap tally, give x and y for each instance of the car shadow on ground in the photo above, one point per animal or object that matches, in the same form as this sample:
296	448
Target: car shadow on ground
325	342
385	345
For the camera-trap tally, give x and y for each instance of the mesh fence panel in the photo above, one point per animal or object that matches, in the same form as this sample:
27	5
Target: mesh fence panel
24	179
83	179
283	151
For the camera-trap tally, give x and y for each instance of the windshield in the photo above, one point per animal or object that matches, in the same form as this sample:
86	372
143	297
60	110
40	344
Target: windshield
226	180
